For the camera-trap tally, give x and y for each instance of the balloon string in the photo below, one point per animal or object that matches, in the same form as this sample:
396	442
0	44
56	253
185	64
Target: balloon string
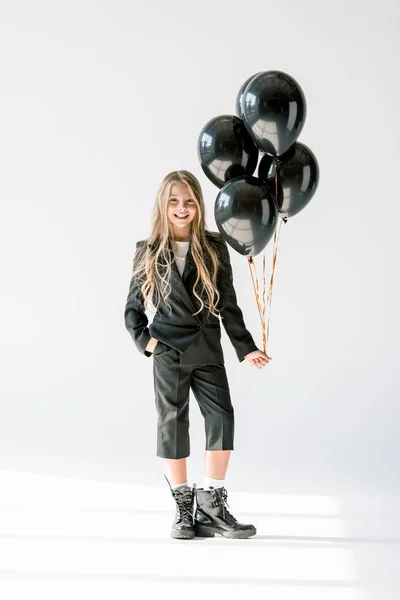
254	279
253	273
275	250
271	283
261	309
266	303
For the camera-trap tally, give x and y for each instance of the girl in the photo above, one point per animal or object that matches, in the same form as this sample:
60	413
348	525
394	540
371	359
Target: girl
182	273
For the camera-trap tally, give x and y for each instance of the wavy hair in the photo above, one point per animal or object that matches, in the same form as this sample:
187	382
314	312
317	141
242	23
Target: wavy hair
153	260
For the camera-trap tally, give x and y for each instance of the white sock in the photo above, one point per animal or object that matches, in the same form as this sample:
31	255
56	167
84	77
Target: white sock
215	483
176	485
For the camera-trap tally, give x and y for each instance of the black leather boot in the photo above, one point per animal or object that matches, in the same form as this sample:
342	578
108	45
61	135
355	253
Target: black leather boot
183	526
213	517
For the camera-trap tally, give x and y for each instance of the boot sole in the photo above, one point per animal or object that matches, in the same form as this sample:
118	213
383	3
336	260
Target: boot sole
202	531
182	535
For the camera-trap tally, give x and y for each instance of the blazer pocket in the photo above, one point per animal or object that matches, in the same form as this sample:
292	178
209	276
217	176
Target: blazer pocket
160	348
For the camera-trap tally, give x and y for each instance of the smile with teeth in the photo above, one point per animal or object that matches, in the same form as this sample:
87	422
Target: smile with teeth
179	217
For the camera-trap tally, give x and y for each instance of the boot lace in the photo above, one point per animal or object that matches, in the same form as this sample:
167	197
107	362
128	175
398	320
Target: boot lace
220	496
184	503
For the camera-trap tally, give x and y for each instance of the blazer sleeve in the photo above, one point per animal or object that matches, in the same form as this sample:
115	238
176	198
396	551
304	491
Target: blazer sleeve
136	320
232	316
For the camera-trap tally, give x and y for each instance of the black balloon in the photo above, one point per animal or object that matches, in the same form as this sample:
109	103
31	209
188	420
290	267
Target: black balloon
274	111
246	214
226	149
297	177
239	97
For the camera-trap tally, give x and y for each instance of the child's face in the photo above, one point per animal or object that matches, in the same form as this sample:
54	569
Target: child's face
181	208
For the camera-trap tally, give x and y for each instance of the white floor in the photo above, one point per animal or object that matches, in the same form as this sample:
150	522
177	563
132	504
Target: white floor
64	538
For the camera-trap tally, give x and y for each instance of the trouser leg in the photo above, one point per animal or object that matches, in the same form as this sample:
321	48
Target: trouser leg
211	389
172	387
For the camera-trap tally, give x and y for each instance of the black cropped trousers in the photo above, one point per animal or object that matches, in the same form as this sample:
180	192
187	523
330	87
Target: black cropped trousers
172	384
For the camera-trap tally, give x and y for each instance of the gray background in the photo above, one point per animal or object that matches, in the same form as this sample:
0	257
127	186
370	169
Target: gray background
99	100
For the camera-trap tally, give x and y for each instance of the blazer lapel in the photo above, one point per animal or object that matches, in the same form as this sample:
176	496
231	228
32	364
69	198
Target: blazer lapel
178	281
190	265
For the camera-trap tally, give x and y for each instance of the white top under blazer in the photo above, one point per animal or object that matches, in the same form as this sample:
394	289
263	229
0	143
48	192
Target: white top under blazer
180	256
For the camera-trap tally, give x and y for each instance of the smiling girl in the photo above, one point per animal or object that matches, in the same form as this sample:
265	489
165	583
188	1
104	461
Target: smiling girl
182	272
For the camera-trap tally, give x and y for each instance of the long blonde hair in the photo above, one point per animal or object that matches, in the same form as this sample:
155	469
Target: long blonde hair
153	262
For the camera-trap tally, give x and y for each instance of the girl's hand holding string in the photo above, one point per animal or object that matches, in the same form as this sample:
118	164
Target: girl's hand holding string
258	359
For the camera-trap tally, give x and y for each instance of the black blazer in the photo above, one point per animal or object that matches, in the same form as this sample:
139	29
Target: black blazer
180	329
